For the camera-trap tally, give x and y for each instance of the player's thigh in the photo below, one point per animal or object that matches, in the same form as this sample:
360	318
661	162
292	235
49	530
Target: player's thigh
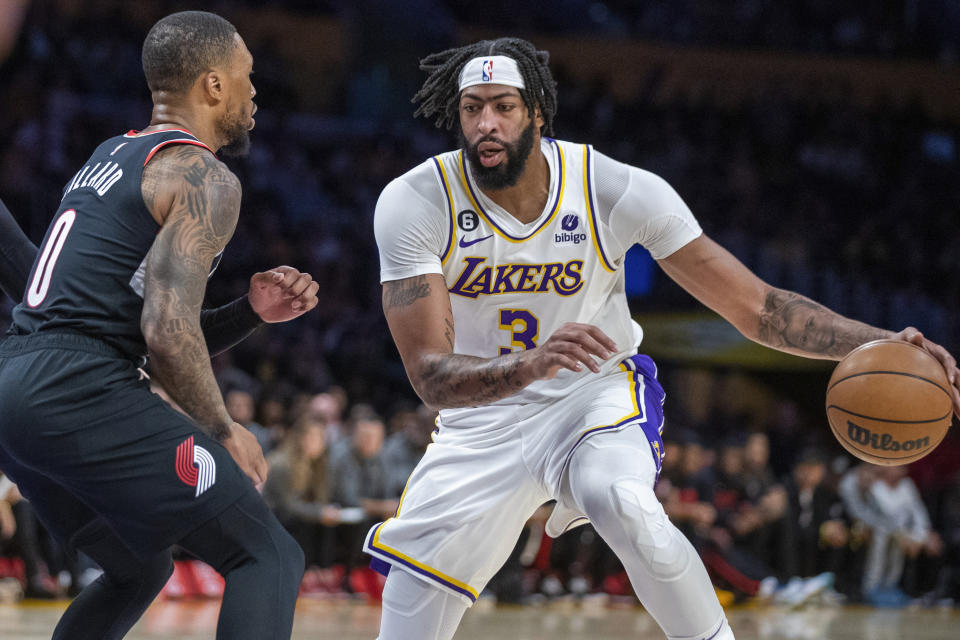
60	511
461	512
80	529
161	481
100	434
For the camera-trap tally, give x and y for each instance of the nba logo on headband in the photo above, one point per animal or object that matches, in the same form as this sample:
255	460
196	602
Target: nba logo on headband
480	71
486	71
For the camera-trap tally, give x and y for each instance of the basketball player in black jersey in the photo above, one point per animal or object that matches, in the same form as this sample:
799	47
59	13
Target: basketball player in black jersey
110	468
272	293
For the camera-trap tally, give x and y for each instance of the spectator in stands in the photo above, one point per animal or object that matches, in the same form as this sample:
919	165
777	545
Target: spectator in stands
947	589
758	477
736	551
327	408
22	536
241	406
359	484
689	503
757	524
405	446
272	414
886	503
815	533
359	474
298	490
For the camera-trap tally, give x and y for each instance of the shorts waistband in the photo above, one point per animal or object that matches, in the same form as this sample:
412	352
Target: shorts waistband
16	344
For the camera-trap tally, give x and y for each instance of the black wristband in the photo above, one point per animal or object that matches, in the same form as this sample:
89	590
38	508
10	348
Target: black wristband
228	325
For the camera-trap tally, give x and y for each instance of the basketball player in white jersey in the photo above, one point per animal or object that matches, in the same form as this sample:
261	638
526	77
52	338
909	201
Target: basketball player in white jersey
503	288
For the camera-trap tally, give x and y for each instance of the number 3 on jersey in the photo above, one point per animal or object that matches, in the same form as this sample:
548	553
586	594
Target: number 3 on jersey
523	327
40	284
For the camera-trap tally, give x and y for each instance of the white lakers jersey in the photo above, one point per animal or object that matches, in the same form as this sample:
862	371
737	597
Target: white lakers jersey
511	284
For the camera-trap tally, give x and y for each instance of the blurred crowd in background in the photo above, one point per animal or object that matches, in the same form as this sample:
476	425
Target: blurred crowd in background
853	204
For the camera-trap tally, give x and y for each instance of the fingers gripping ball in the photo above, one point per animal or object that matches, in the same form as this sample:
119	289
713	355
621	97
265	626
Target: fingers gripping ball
888	402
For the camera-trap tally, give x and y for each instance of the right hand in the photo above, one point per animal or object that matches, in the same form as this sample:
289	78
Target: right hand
282	294
571	347
913	336
329	515
246	451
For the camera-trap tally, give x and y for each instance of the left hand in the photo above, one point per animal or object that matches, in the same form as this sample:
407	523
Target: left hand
913	336
282	294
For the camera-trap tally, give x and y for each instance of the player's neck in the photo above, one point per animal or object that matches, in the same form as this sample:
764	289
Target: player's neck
168	115
526	200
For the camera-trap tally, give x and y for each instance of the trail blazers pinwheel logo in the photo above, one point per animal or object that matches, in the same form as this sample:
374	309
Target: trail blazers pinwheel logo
195	466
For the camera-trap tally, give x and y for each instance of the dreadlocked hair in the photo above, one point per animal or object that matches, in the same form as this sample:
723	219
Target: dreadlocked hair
440	94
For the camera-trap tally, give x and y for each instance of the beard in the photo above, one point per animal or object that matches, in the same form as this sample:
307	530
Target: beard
236	130
507	173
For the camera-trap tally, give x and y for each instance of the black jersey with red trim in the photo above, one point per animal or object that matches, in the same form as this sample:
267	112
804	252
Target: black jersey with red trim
88	274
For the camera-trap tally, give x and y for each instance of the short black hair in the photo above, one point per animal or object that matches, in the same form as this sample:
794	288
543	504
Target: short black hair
182	46
440	94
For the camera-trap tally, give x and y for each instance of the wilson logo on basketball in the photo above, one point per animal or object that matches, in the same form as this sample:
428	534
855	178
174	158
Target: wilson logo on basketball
195	466
885	442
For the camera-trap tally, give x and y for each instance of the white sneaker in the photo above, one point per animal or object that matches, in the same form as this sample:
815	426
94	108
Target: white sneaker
807	589
767	589
578	585
551	587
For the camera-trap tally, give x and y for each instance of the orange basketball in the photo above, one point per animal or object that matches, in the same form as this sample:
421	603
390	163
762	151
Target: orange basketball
888	402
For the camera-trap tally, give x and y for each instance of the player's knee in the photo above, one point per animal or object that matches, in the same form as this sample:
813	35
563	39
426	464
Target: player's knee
142	582
629	515
156	572
291	559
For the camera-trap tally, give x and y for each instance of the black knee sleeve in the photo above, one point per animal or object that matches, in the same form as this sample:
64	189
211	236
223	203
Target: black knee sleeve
261	563
247	533
112	604
120	565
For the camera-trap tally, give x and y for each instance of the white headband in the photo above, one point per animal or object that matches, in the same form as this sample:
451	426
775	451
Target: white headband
491	70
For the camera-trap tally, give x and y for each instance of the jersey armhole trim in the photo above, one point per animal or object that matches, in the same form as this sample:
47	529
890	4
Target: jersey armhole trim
451	229
589	193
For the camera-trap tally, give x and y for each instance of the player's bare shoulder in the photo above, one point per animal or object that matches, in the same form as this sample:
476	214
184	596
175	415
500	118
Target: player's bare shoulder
191	180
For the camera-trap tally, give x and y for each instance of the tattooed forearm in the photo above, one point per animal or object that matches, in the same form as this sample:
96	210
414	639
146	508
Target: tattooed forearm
402	293
204	201
791	322
448	332
447	381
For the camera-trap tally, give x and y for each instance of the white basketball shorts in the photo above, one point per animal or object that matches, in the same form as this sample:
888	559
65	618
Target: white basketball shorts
466	502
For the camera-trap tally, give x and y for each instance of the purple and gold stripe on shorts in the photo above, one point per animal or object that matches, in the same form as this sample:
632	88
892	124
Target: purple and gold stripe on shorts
374	546
647	413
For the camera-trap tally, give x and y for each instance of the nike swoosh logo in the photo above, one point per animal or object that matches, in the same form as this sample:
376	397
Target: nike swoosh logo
464	243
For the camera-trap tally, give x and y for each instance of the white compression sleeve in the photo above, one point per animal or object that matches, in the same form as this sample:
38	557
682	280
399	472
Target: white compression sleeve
413	608
610	479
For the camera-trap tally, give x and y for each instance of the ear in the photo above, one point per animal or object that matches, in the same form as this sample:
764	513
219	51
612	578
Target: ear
212	83
538	118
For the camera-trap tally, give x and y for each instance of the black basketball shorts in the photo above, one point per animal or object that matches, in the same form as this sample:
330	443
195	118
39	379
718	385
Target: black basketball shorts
83	436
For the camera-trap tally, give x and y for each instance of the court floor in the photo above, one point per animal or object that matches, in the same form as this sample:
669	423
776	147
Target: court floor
326	620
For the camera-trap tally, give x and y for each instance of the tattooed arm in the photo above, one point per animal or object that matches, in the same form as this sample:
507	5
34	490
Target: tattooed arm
196	199
773	317
204	202
782	319
421	322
